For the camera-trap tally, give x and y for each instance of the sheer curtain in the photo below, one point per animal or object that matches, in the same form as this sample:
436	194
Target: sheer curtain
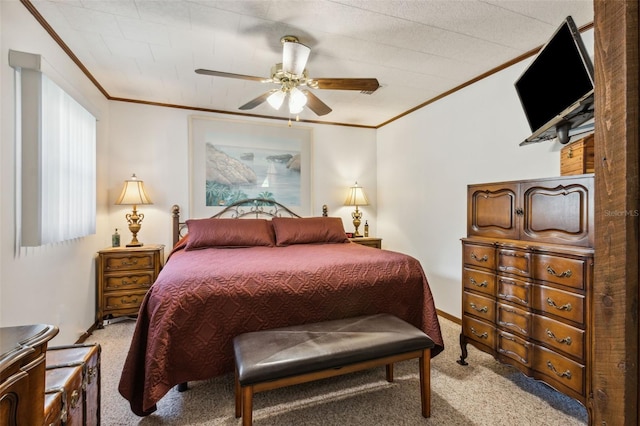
56	168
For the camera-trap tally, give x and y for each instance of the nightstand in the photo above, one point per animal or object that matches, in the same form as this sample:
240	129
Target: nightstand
124	275
368	241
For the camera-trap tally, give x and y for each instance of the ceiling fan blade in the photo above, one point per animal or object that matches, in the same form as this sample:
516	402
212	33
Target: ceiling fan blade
230	75
362	84
315	104
257	101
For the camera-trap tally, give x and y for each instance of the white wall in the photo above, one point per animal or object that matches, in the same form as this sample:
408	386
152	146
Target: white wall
153	142
427	159
53	284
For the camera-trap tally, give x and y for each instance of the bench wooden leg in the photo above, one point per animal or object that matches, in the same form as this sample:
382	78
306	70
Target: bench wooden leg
389	373
425	382
238	395
247	405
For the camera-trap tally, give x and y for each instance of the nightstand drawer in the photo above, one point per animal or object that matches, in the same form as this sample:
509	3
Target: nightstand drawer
119	281
128	262
124	300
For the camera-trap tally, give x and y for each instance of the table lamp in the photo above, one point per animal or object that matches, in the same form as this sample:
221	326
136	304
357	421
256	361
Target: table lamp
356	197
133	194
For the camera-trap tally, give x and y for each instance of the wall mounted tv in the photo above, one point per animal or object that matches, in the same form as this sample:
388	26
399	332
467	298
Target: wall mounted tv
556	89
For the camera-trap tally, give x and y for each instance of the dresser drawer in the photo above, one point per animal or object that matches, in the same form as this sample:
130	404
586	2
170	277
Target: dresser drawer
479	256
479	306
479	331
119	281
558	369
128	262
559	303
515	348
129	300
484	282
559	336
513	319
514	290
515	262
560	270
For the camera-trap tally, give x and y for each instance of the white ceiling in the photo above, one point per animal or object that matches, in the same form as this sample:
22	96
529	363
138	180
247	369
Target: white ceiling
147	50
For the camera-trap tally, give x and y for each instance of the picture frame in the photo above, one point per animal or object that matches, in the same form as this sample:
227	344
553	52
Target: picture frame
230	160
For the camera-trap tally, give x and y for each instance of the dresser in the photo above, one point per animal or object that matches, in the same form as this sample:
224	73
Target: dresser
124	275
527	277
22	373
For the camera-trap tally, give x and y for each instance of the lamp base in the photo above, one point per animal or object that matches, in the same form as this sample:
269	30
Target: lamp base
134	245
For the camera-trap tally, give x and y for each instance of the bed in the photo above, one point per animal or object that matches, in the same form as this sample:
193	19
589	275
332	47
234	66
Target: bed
254	266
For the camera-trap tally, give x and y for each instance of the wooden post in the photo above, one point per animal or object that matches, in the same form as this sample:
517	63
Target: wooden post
615	396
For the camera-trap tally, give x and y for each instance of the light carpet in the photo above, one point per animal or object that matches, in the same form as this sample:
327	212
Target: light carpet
483	393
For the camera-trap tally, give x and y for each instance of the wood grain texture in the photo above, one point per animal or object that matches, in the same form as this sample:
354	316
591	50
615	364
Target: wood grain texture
615	311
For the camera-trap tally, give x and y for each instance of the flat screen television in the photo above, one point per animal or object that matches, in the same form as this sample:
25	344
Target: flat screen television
556	89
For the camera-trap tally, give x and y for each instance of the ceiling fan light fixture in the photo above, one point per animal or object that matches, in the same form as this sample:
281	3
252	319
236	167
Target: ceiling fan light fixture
294	57
297	100
276	99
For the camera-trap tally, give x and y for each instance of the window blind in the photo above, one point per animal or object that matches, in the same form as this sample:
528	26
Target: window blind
57	187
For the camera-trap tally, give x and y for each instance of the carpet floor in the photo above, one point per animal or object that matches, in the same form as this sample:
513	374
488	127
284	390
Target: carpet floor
484	392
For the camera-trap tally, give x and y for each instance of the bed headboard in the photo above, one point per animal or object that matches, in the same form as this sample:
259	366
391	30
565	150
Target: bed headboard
255	207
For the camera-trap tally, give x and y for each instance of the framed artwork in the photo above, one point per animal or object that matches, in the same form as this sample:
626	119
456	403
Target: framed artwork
232	160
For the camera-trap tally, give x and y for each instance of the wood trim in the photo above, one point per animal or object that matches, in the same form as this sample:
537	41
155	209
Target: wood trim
615	336
32	9
450	317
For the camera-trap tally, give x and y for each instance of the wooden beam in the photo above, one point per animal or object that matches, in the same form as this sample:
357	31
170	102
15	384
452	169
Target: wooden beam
615	336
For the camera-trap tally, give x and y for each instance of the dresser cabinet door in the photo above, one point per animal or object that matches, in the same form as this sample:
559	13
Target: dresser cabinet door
492	211
558	211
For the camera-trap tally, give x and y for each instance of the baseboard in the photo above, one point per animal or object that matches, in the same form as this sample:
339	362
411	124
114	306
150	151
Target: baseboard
449	317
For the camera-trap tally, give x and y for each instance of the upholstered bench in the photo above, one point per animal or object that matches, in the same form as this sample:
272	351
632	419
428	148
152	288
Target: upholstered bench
272	359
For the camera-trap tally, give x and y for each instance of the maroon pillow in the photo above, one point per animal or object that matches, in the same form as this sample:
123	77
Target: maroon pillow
308	230
229	233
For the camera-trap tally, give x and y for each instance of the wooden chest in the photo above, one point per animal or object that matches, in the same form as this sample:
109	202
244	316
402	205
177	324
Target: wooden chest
68	381
577	158
53	408
85	361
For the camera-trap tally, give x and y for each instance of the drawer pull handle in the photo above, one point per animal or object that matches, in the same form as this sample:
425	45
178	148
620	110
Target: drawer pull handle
484	335
565	274
479	259
482	284
512	297
129	263
512	325
565	307
513	254
484	309
131	301
566	374
566	340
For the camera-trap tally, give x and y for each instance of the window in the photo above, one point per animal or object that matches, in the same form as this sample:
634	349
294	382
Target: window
56	145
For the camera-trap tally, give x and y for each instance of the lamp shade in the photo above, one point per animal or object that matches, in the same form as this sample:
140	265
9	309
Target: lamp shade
276	99
297	100
294	57
356	197
133	193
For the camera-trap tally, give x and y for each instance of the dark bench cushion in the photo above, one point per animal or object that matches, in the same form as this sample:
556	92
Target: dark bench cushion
290	351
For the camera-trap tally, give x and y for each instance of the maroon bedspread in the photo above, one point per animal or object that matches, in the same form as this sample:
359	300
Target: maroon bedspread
203	298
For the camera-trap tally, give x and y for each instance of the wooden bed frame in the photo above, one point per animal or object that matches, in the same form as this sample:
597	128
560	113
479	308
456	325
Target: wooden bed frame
255	207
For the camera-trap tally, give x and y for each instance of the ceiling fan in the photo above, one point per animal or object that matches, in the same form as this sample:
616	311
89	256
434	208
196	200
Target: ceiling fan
293	81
